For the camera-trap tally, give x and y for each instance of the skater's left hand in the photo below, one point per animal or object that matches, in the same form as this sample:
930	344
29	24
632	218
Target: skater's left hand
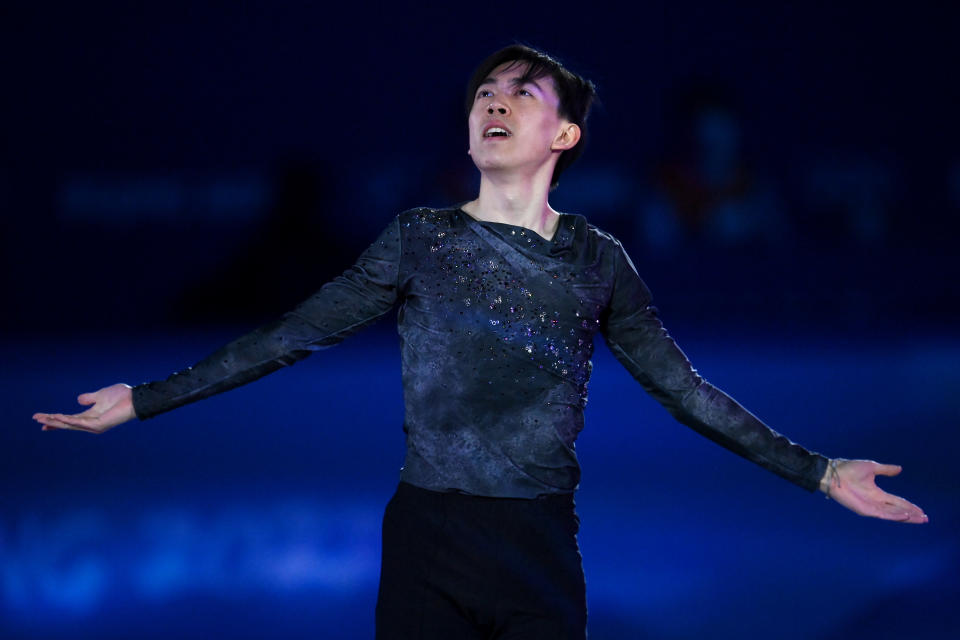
851	483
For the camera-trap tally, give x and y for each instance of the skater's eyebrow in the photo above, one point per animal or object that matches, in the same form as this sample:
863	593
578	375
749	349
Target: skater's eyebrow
516	82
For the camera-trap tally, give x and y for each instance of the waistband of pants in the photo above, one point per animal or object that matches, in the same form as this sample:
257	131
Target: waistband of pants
407	489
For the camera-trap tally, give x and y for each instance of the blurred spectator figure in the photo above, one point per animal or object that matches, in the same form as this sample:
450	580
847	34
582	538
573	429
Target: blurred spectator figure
705	191
848	200
287	258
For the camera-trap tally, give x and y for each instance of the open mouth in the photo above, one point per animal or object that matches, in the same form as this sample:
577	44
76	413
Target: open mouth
496	132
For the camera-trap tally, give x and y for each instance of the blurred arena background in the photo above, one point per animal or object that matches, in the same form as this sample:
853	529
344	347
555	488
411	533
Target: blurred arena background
786	179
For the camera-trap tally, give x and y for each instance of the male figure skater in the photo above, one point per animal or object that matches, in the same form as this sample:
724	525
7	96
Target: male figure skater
500	300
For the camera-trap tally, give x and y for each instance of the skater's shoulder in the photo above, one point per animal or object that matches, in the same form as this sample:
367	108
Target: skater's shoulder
427	216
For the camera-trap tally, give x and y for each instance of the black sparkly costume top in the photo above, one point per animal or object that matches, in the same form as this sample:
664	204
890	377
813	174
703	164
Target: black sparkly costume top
496	327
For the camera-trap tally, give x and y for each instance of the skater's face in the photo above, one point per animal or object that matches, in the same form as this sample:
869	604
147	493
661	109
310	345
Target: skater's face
514	122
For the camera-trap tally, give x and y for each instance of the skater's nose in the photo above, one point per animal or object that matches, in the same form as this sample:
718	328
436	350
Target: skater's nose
497	108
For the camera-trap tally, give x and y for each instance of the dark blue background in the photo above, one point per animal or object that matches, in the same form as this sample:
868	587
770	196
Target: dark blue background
149	154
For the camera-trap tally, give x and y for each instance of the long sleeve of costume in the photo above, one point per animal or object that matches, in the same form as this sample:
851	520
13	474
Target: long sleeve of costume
639	341
340	308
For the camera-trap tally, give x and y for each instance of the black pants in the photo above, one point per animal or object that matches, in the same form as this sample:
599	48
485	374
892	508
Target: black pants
459	567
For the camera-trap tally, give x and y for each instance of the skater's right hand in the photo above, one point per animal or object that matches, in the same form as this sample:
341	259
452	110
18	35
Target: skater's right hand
112	405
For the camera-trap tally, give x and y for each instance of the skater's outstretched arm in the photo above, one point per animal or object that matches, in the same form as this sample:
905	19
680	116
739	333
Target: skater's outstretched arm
343	306
637	338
